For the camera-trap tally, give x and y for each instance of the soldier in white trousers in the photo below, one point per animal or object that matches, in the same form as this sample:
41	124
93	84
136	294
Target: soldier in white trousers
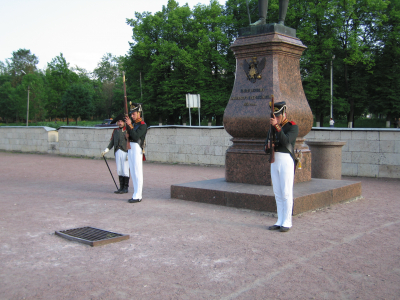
282	175
119	142
137	134
282	169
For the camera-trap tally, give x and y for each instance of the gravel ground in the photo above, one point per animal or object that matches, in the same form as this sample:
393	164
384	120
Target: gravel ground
181	249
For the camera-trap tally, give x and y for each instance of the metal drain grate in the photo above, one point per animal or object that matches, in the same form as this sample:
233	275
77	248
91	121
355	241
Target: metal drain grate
92	236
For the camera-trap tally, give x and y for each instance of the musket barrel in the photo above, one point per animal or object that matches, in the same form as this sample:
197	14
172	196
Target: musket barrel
272	134
128	144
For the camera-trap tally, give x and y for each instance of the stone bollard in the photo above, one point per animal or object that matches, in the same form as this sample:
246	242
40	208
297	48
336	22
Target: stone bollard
326	159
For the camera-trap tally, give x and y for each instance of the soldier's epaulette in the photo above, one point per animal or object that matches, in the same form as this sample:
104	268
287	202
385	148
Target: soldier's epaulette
293	123
142	123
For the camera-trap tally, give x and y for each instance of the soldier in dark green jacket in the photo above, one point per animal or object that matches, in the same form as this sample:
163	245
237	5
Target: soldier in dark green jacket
282	169
137	134
119	142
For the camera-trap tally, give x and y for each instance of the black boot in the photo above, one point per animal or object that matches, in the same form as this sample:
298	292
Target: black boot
126	185
121	185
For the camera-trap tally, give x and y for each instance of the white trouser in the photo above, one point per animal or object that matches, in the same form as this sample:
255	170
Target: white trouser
136	165
282	175
122	163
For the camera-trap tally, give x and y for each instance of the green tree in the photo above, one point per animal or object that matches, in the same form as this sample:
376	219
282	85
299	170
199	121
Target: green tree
58	78
356	24
107	74
384	85
13	71
12	101
22	60
4	68
316	29
179	51
237	9
37	96
7	100
108	68
77	101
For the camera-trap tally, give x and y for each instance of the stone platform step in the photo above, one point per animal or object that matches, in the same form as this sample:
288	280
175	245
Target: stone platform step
309	195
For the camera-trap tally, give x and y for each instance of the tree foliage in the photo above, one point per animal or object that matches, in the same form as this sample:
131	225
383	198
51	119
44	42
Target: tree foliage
22	60
37	94
179	51
107	74
7	101
77	101
384	84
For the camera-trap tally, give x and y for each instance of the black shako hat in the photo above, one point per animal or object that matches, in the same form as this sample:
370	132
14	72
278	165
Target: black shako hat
135	107
118	118
279	107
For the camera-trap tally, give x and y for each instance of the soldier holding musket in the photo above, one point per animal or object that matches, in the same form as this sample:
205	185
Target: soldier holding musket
283	165
119	142
137	134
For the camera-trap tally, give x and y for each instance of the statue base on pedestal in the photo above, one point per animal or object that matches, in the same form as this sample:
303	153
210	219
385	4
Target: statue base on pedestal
267	28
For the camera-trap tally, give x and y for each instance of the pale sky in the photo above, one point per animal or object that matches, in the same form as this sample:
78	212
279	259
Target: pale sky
83	30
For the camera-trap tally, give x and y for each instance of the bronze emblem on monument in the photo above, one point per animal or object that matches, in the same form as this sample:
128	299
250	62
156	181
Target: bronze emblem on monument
253	69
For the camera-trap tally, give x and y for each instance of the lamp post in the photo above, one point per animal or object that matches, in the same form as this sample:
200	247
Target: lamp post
27	109
333	57
27	105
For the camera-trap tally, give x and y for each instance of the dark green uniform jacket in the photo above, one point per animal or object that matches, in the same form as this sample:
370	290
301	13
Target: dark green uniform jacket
137	133
118	140
285	138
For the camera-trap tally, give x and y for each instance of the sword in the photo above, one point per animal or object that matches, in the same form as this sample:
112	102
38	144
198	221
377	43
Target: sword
110	171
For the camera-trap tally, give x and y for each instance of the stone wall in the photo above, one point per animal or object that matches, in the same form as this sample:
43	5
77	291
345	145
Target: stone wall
189	145
368	152
28	139
167	144
84	141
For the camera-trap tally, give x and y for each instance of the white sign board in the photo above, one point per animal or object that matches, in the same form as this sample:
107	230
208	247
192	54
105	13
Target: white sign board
193	100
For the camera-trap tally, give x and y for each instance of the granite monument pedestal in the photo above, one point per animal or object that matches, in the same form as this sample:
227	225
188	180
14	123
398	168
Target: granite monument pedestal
267	63
310	195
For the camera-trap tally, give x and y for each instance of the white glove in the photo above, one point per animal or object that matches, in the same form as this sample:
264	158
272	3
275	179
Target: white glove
105	151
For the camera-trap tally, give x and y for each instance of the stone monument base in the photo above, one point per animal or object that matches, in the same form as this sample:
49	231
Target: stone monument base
246	162
307	196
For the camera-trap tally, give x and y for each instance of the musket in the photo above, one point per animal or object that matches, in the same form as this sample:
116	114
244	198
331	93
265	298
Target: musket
128	144
110	171
272	136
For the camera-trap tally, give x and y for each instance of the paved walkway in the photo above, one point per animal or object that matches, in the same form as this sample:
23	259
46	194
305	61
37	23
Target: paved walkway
181	249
